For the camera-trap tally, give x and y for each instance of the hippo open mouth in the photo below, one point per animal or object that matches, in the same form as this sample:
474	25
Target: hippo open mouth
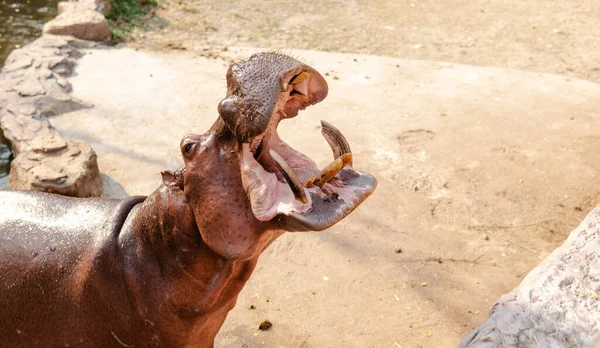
280	182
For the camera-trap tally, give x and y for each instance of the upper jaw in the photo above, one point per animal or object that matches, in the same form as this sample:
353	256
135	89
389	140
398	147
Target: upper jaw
282	184
249	106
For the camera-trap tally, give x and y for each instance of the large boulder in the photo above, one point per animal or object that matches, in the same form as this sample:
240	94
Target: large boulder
51	164
81	23
557	304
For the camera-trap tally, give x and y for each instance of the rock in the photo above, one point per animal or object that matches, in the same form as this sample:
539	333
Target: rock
81	23
47	143
33	86
51	164
557	304
27	109
66	85
50	106
17	62
102	6
49	41
20	130
29	88
65	6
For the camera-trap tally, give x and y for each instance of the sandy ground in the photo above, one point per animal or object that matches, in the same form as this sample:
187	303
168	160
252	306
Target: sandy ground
482	173
480	179
560	37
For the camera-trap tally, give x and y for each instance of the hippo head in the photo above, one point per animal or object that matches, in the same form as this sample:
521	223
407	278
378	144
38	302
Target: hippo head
249	176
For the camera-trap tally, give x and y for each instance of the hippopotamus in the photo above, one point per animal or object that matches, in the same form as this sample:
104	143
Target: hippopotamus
165	270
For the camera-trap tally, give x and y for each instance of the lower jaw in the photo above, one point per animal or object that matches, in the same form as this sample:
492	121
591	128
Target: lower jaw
338	189
268	196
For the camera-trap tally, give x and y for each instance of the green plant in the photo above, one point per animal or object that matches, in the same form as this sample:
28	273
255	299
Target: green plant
125	15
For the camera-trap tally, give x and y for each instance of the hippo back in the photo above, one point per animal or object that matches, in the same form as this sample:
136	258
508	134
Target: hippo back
38	224
49	244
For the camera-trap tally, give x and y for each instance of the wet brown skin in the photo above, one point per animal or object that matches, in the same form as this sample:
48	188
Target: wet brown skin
162	270
149	277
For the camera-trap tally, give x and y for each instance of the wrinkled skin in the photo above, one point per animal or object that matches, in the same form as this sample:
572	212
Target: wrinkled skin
165	270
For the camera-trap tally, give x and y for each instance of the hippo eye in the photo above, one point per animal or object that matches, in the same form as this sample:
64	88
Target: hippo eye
188	147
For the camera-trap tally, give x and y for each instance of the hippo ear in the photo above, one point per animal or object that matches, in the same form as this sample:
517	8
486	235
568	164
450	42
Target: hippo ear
170	178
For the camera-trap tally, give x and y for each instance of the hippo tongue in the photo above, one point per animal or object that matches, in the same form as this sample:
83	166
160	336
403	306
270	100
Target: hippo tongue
295	193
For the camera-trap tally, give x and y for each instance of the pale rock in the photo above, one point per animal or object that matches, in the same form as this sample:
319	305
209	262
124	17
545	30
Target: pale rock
557	304
29	88
54	165
17	62
102	6
33	86
20	130
82	23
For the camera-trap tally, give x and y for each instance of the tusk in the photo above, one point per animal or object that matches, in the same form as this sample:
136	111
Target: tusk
282	114
336	140
290	177
330	171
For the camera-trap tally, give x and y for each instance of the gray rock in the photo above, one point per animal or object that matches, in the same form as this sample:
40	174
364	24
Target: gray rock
48	105
49	41
32	87
82	23
20	130
51	164
60	65
16	62
102	6
29	87
557	304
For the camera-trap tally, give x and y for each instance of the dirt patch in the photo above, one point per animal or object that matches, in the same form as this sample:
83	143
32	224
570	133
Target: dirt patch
542	36
476	197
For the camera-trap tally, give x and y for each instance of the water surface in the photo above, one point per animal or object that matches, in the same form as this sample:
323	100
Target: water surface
5	158
21	22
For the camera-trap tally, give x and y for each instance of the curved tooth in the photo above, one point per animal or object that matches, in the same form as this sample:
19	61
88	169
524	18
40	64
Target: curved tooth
282	114
329	171
290	177
336	140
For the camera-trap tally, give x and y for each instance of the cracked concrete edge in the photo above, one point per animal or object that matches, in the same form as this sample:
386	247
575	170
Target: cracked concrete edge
33	87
